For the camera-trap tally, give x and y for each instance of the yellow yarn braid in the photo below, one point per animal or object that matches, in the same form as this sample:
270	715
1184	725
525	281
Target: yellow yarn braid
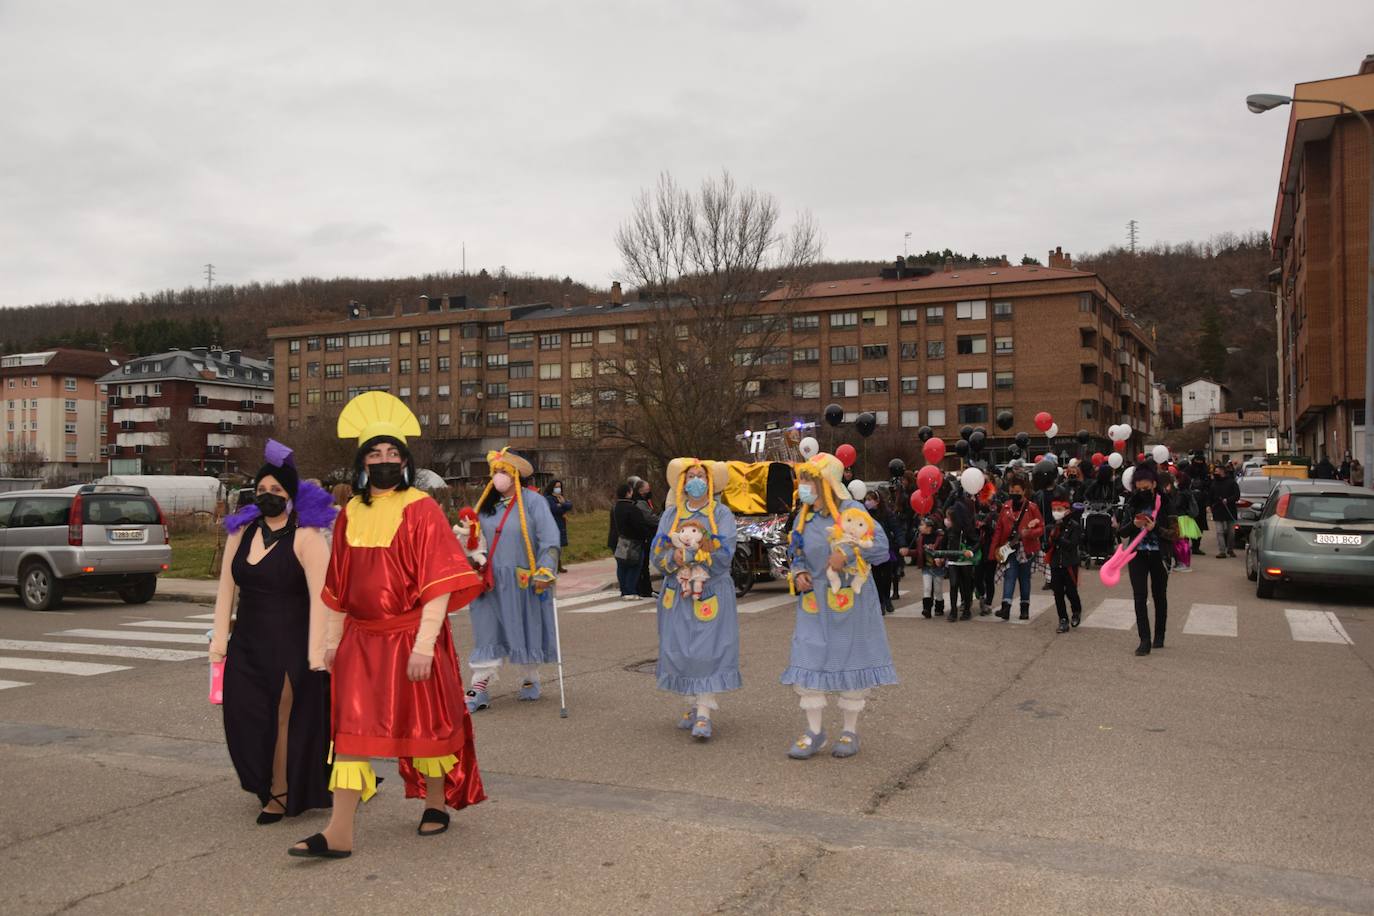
710	494
806	511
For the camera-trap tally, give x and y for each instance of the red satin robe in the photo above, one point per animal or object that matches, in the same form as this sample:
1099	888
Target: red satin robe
377	710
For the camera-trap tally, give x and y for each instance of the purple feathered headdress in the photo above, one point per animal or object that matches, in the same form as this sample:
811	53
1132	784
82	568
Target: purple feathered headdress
313	506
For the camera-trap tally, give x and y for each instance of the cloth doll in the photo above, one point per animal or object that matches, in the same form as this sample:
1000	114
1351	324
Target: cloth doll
853	534
471	537
690	537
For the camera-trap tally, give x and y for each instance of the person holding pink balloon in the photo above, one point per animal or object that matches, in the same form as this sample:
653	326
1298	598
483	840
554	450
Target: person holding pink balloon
1148	513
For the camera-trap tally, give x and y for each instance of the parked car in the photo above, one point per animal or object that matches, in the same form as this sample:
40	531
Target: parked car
1254	493
1320	532
92	538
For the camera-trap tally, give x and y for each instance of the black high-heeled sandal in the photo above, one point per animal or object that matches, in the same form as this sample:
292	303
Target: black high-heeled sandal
317	847
433	816
271	817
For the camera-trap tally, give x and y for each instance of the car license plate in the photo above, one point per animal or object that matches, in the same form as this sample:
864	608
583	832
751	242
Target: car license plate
1353	540
135	534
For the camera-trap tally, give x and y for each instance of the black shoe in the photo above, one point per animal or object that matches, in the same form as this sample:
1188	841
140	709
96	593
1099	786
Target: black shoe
1159	642
1076	619
1025	614
272	817
1143	648
965	615
1063	625
925	612
317	847
1004	612
926	605
433	816
1231	554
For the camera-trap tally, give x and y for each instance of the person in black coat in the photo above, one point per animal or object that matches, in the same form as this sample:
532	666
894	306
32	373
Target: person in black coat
1224	497
559	506
1065	537
644	501
1324	469
1147	568
884	573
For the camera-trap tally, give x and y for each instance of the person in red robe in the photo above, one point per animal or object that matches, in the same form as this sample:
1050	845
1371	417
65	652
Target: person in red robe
395	573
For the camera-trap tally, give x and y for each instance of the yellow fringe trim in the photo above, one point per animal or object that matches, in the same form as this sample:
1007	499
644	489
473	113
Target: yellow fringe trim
434	767
354	776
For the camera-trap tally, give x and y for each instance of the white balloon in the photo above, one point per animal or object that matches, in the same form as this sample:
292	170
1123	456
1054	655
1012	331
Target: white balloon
972	480
1125	430
809	447
1052	431
1114	432
1114	459
1127	477
1160	453
858	489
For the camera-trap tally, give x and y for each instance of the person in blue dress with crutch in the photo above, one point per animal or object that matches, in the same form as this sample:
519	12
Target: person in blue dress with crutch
839	644
698	634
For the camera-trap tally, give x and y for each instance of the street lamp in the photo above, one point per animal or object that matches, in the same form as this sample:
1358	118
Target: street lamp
1292	386
1265	101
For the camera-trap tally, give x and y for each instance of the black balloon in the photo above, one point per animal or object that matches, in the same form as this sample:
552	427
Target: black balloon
965	432
1023	440
865	423
1014	451
981	429
1083	437
1004	420
896	467
834	414
924	433
1044	475
977	440
961	448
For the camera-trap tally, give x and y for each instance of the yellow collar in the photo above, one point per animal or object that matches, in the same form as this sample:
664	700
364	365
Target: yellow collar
376	525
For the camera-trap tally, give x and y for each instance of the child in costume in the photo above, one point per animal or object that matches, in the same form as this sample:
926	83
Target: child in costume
929	539
513	619
698	636
839	644
1065	540
395	571
850	537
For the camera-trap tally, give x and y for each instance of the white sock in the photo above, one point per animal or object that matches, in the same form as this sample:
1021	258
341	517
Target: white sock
705	702
851	720
814	719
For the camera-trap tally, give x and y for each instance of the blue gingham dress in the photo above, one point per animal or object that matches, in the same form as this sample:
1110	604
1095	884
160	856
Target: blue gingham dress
838	650
510	622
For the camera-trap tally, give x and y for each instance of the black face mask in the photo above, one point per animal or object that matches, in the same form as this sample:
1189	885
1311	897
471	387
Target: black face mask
385	476
1016	501
270	504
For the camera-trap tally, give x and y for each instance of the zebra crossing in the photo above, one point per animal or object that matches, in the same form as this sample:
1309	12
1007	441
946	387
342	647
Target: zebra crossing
43	656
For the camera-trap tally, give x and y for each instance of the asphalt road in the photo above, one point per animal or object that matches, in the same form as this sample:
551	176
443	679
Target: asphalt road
1013	770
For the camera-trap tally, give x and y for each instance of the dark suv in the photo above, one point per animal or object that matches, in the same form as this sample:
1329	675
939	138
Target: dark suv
92	538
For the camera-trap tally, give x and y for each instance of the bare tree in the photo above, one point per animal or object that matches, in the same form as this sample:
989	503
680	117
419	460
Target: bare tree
23	459
716	274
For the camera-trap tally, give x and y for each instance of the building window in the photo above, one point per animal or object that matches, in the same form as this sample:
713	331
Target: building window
1002	345
445	334
844	388
909	315
497	418
1003	380
1087	409
631	334
1085	303
911	418
1001	309
873	318
578	339
580	370
422	337
334	343
911	350
970	344
469	388
293	347
806	356
312	395
443	391
424	364
582	399
806	322
69	384
1224	437
910	384
935	314
377	365
69	405
973	310
1247	437
875	385
69	428
550	341
445	363
935	383
520	341
370	339
806	390
497	389
443	419
312	370
973	413
605	336
935	349
333	370
496	360
520	399
844	355
972	380
333	397
844	320
403	366
605	366
548	371
294	399
550	430
470	359
470	331
875	351
496	332
293	374
935	418
521	429
403	391
550	401
403	339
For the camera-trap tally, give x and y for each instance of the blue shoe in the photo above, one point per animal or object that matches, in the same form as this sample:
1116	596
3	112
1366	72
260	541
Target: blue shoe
847	746
529	690
805	747
702	729
478	699
688	719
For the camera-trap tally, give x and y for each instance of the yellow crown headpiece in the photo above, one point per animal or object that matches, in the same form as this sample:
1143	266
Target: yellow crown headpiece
376	413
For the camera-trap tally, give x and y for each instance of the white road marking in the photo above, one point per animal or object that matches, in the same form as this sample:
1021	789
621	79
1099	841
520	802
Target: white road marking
1112	614
81	648
767	602
607	605
1039	603
168	625
1315	626
587	599
131	635
1211	620
6	685
201	617
56	666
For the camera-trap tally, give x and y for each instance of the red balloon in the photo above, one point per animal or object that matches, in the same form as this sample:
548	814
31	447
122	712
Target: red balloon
1119	444
1098	458
934	450
1039	458
846	454
921	503
1043	421
1140	456
929	478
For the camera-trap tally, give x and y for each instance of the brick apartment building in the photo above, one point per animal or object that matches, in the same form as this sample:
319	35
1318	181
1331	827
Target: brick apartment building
944	349
1321	235
54	412
188	411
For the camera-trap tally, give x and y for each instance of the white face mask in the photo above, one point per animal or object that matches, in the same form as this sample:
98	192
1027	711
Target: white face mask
806	493
502	482
558	491
1059	515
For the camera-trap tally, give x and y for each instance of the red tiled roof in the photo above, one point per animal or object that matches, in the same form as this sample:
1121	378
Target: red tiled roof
971	276
1254	419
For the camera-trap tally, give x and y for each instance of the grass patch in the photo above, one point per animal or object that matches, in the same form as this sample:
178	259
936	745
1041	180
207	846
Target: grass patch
192	554
587	536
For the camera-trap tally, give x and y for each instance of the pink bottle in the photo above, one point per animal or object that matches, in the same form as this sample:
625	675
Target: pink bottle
217	682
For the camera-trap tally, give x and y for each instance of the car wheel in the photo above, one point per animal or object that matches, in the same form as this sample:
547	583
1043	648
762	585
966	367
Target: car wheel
39	588
141	592
1264	588
1251	565
741	571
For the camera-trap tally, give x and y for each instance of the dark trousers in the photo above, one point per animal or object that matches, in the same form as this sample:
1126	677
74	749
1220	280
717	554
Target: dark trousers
1148	571
644	582
884	581
1064	581
627	574
984	580
960	586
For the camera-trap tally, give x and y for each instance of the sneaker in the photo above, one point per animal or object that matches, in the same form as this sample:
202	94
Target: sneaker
1063	625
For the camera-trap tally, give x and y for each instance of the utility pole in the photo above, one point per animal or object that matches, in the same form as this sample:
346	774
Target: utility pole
1132	234
906	239
209	277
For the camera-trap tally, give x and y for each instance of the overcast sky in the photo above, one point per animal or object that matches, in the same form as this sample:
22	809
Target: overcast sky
139	140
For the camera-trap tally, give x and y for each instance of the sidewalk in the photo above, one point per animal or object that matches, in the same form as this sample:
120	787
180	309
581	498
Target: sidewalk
580	579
